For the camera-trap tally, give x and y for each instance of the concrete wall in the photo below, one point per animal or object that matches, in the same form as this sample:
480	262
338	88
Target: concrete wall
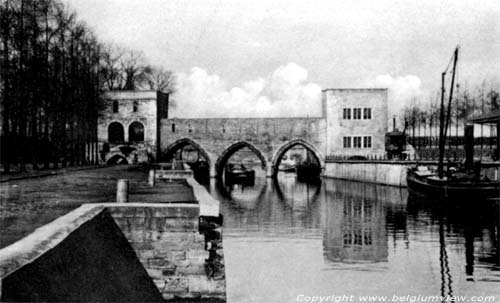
335	100
388	173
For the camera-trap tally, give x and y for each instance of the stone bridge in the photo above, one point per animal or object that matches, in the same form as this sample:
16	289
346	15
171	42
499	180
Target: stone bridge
218	139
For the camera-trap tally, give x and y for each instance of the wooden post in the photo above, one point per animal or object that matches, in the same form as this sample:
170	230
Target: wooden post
151	179
122	191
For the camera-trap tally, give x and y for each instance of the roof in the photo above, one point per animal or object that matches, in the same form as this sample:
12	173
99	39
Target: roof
491	117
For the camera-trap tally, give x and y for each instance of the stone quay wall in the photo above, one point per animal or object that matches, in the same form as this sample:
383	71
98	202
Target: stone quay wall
167	240
387	172
380	172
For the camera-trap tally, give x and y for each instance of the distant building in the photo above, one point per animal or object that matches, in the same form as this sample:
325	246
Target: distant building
357	121
128	125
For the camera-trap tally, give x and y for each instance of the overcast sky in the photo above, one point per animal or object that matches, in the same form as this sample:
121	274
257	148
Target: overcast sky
303	45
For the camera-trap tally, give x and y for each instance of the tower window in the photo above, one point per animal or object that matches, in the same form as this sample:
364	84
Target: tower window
135	106
173	127
115	106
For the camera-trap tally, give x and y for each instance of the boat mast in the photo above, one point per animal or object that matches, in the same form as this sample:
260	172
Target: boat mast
443	127
451	92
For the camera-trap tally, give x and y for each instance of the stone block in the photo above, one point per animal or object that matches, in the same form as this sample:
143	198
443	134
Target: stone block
204	285
154	273
192	269
170	270
170	235
167	296
159	263
172	211
178	255
135	236
160	284
136	223
197	255
141	246
180	224
165	246
176	284
146	254
165	254
152	235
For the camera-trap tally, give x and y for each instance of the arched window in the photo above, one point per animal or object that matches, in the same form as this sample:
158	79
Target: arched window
136	132
115	106
135	106
115	133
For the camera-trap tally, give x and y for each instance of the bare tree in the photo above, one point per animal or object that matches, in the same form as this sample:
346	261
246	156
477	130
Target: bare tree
158	78
132	68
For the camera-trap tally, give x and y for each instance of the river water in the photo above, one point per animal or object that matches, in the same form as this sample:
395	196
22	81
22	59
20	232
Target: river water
287	241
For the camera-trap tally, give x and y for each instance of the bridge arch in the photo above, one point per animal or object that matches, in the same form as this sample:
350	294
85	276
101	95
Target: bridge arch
233	148
278	155
170	151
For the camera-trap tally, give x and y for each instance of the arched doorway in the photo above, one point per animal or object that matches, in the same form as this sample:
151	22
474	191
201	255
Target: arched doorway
136	132
310	156
116	133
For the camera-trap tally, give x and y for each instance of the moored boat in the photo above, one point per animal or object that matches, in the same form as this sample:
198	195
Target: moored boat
235	173
462	182
455	185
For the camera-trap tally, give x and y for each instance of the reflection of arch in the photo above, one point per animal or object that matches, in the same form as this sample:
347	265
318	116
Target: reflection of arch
226	191
136	132
284	148
282	197
181	143
115	132
117	159
231	149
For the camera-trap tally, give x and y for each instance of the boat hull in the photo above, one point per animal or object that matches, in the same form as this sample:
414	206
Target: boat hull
453	189
235	177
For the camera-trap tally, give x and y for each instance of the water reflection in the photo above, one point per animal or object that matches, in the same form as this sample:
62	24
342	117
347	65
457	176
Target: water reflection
355	229
354	238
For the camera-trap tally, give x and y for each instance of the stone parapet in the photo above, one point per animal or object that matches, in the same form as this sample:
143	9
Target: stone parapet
180	260
44	238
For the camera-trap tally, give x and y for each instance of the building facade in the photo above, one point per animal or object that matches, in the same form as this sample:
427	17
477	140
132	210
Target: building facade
356	121
128	125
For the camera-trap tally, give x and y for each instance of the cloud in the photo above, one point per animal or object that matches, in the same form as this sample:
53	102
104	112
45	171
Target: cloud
402	91
284	93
